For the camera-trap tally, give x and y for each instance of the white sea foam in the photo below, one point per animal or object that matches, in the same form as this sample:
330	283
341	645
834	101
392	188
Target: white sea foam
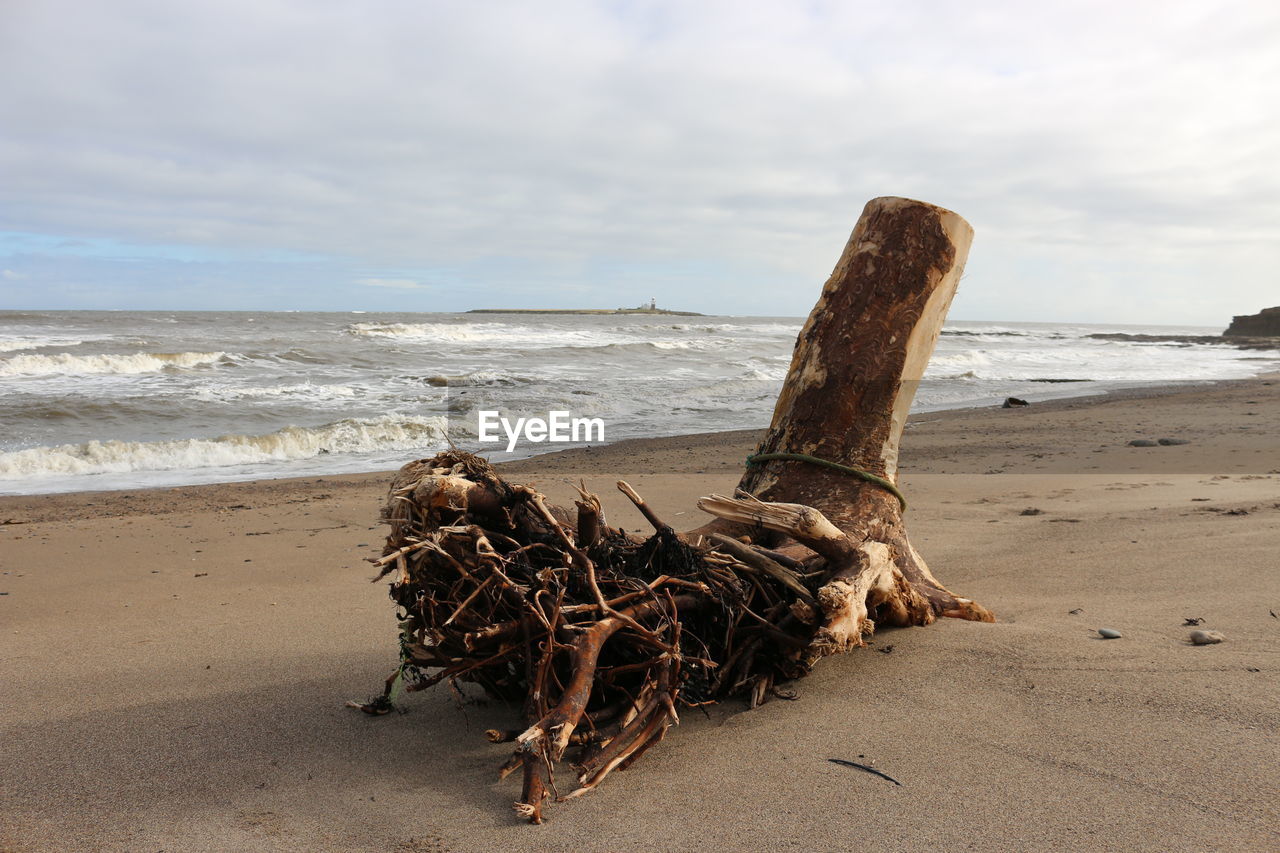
482	378
290	443
515	335
15	343
690	345
139	362
966	360
644	375
506	335
762	374
433	331
988	330
302	392
753	331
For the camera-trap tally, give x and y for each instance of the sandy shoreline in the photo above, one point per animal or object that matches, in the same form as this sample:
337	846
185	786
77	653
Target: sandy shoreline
176	660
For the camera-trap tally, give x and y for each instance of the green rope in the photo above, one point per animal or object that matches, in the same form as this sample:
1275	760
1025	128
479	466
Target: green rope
759	458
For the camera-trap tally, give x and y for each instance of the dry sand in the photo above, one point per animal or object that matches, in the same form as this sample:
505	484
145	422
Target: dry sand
175	662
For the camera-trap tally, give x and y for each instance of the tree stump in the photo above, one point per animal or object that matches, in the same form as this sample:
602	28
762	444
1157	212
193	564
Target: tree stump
603	636
857	364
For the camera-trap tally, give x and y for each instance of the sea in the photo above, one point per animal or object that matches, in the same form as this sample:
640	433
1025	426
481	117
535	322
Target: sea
94	400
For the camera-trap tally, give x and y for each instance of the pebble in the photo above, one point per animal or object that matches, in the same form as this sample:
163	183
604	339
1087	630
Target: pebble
1144	442
1172	442
1206	638
1112	633
1014	403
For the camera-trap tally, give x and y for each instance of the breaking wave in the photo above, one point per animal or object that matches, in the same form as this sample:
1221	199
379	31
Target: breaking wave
303	392
140	362
677	336
478	379
21	342
291	443
502	334
970	359
154	389
432	331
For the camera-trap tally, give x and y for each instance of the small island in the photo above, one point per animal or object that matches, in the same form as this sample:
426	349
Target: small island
651	308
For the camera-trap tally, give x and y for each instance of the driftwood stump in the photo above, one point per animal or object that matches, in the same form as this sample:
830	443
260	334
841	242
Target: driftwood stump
856	367
603	636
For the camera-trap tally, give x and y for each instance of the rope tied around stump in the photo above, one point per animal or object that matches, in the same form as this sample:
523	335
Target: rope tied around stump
761	458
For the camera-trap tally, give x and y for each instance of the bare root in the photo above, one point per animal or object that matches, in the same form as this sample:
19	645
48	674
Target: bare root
605	636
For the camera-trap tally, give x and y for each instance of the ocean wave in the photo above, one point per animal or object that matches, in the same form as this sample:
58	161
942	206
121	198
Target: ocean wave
15	343
479	379
304	391
448	332
1202	341
717	393
295	355
585	350
765	374
958	360
788	329
977	333
291	443
693	345
490	335
140	362
517	336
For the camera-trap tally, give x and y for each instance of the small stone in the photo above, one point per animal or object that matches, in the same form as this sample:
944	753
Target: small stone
1110	633
1032	511
1172	442
1144	442
1206	638
1014	402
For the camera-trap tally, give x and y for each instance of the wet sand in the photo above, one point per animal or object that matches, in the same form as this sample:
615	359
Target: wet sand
175	662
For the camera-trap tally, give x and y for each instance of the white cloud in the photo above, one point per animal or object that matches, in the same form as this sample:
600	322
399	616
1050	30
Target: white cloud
395	283
1124	143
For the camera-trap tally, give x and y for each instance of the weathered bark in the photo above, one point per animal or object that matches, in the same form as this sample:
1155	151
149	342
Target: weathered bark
863	350
604	634
856	367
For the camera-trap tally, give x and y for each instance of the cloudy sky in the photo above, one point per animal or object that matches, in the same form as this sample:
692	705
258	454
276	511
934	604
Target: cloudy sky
1120	161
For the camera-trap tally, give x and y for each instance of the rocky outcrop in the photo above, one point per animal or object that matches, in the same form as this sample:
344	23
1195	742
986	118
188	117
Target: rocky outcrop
1266	323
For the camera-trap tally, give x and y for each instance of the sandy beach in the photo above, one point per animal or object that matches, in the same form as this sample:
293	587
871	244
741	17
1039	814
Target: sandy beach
175	662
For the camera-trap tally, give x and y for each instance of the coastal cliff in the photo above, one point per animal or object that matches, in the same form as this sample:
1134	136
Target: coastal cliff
1264	324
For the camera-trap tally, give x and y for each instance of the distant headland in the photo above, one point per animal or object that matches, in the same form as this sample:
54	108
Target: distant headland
651	308
1266	323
